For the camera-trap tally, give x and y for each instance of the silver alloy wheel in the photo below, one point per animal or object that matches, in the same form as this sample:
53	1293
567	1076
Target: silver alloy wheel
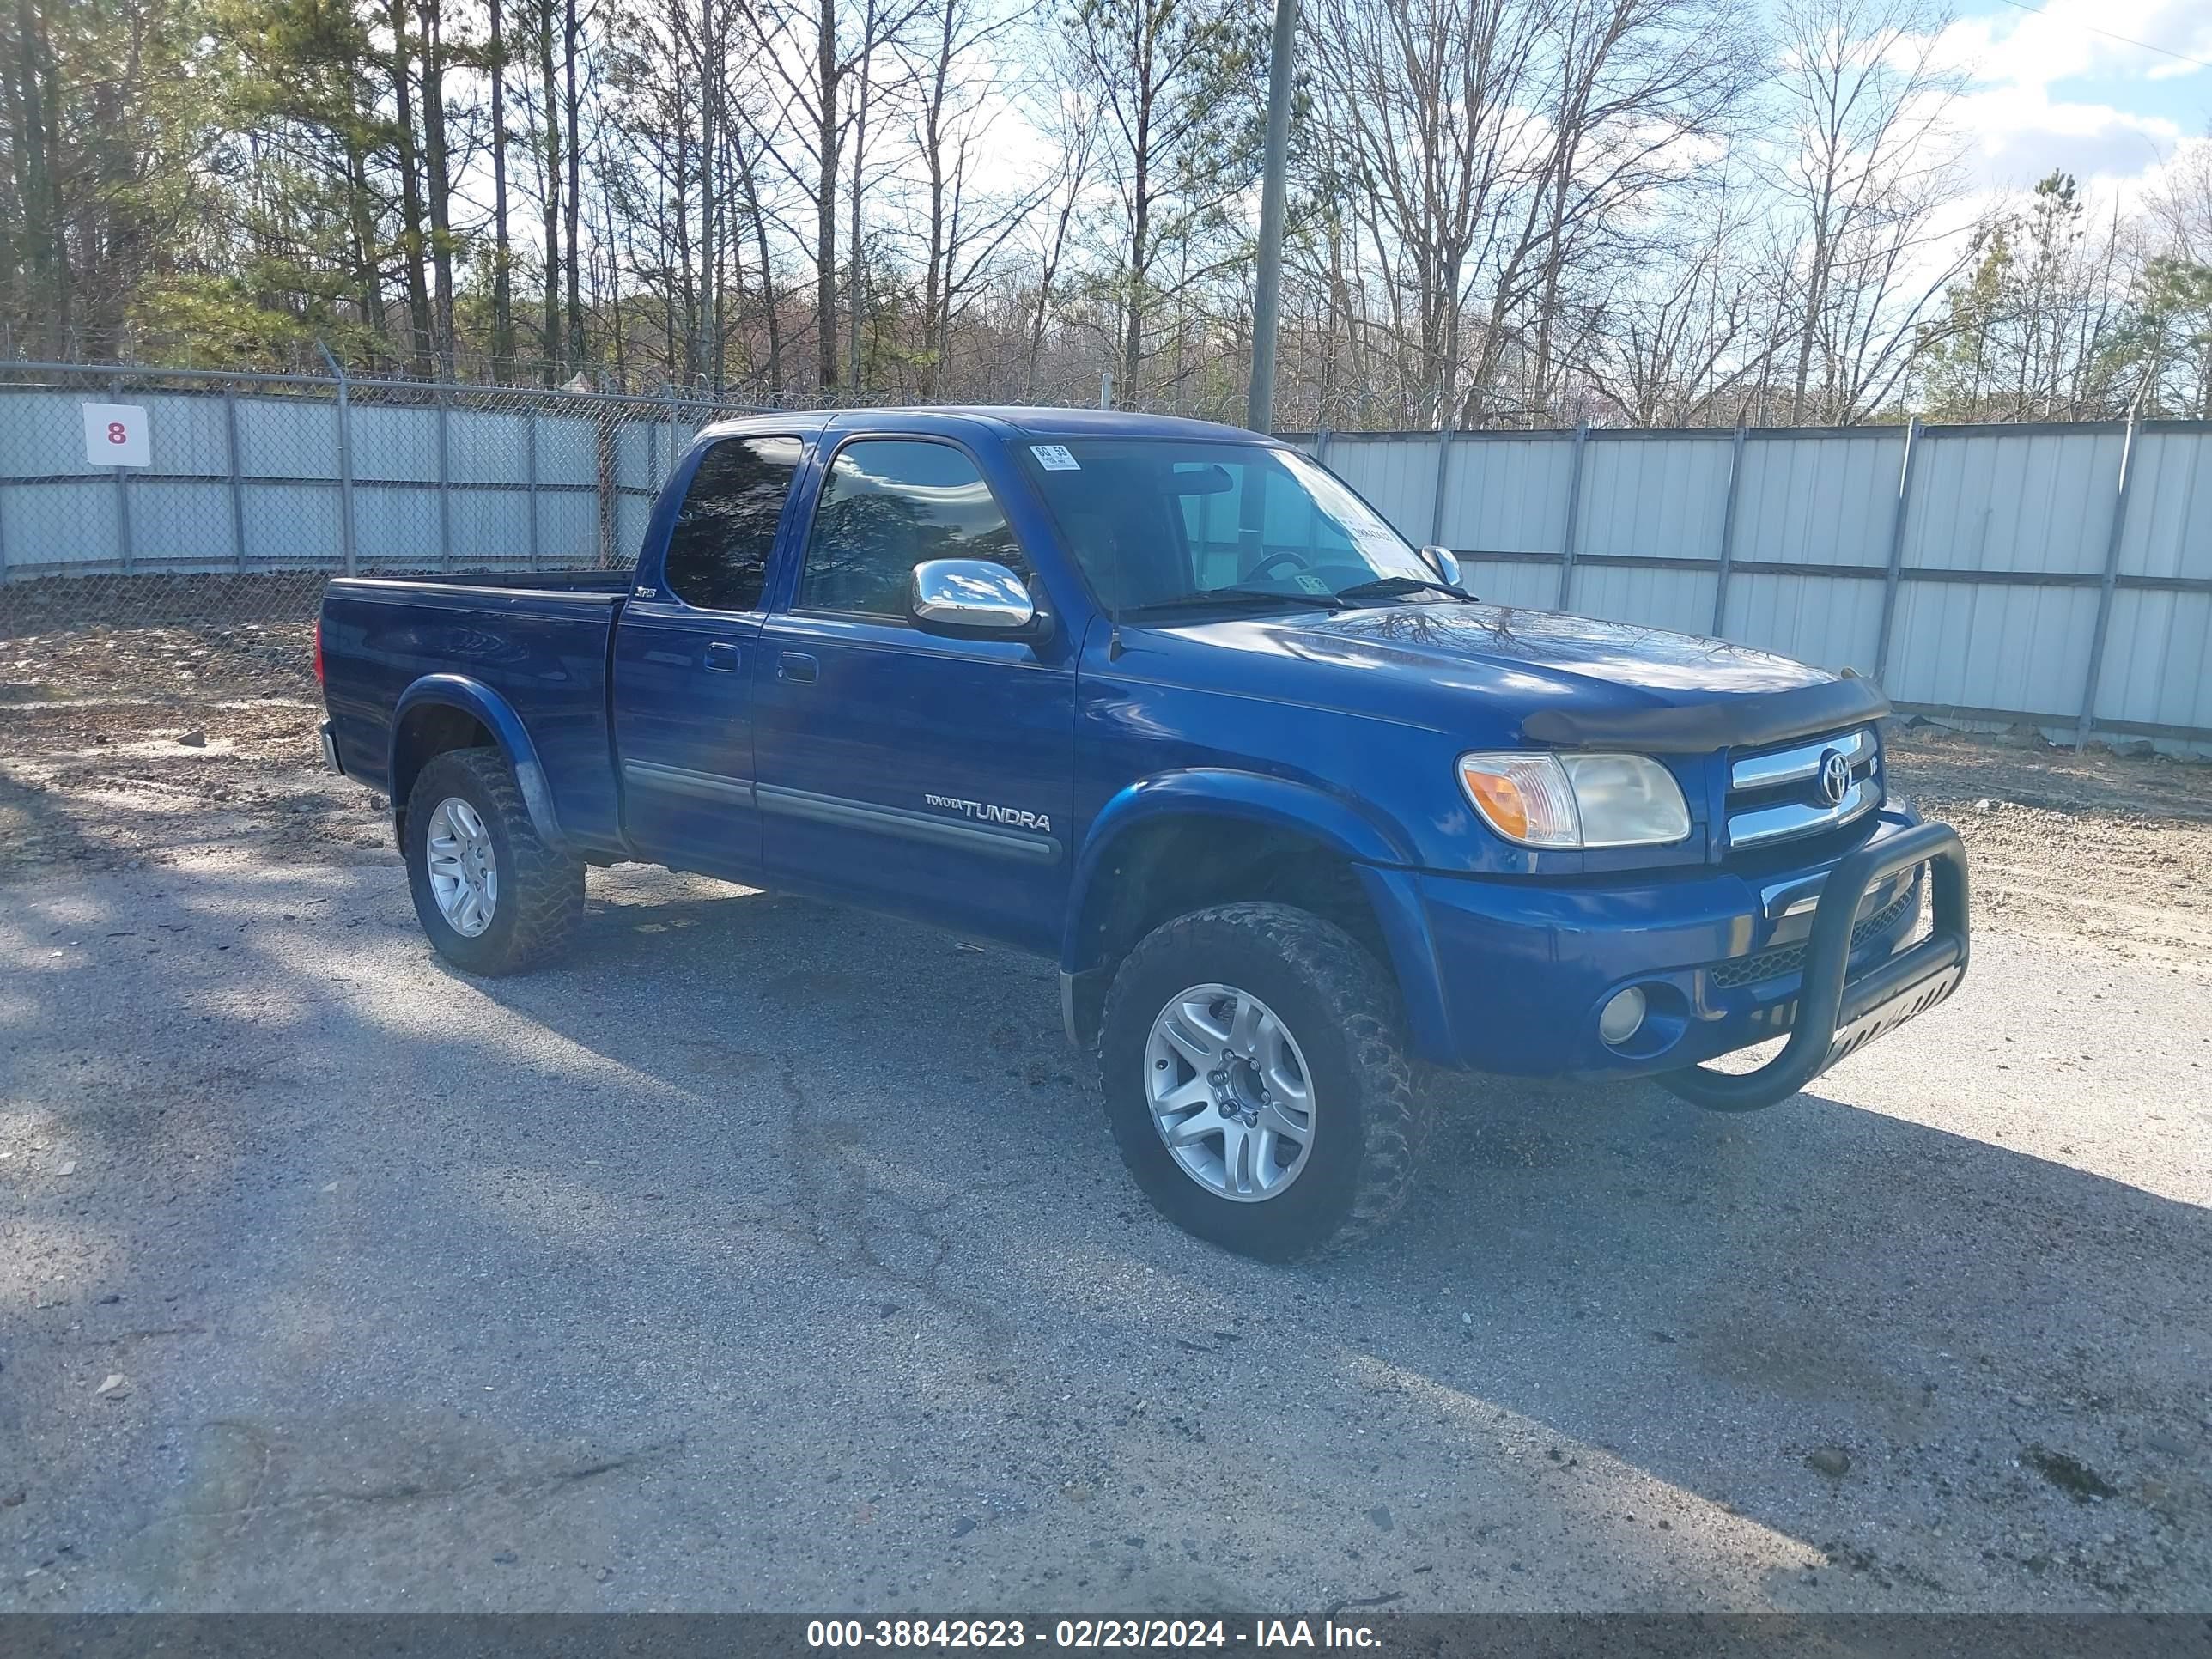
1230	1094
463	874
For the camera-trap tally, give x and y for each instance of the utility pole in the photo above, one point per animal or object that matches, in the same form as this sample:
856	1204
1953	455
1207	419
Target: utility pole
1267	293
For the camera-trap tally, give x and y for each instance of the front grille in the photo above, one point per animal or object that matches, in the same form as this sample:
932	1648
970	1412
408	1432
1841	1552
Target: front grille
1785	794
1785	959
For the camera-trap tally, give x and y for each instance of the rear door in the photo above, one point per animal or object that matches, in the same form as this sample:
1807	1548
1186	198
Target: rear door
902	769
683	685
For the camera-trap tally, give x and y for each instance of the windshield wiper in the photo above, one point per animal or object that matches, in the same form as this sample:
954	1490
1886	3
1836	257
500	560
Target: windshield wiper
1235	596
1386	587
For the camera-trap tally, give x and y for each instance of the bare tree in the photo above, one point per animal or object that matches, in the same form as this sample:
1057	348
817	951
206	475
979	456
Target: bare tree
502	256
1870	172
1065	114
1173	81
958	83
1436	102
814	51
1677	339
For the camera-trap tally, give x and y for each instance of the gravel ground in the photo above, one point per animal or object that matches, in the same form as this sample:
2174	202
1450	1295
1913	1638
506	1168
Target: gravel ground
773	1256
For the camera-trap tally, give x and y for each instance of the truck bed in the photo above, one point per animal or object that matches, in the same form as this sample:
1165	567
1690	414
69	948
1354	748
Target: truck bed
537	641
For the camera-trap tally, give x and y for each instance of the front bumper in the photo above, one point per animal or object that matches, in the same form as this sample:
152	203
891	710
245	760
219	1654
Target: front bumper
1724	962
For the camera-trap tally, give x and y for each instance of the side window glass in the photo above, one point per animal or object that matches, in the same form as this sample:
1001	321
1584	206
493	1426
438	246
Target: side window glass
887	506
717	552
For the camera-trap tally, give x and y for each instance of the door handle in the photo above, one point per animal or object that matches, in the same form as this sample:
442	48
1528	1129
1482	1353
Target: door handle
797	666
723	656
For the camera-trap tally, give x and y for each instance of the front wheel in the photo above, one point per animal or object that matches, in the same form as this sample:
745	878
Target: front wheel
1256	1082
492	897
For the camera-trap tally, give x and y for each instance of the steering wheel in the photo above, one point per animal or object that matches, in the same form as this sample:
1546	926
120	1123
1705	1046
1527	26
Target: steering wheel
1285	556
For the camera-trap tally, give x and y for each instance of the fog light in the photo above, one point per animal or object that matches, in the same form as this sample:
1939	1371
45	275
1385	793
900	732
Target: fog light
1619	1018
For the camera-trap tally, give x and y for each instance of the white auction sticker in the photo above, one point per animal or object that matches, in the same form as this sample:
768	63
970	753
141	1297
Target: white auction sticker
1054	457
115	436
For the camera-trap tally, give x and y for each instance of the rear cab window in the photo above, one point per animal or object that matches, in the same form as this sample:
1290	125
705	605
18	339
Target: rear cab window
725	533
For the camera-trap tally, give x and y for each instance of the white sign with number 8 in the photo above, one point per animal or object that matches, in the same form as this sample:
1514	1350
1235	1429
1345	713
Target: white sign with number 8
115	436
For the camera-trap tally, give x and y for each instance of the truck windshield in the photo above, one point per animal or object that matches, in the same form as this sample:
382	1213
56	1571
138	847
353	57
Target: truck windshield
1161	523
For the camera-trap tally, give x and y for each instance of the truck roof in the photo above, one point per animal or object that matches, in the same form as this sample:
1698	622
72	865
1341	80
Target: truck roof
1012	421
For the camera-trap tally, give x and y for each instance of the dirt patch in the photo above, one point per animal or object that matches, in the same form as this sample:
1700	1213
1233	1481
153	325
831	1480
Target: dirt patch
96	766
2070	844
126	746
2070	1475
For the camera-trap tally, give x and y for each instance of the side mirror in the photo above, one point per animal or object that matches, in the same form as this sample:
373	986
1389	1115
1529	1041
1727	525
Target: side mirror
971	599
1444	563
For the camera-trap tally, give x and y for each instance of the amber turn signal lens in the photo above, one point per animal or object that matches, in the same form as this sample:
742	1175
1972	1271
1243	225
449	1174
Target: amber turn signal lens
1525	797
1502	803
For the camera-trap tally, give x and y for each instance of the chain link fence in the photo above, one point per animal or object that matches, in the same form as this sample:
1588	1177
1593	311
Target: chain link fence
235	496
131	497
195	511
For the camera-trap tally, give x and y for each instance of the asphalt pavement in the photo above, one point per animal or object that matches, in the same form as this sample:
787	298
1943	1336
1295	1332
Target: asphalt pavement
771	1257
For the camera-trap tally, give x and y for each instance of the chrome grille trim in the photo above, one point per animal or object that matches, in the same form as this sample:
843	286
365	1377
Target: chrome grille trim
1790	765
1800	896
1776	796
1791	819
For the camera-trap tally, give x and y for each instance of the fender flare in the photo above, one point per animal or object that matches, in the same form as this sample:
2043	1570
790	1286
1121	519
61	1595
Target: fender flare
497	715
1380	856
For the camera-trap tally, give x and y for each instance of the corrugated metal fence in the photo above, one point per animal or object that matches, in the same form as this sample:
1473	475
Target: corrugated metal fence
1985	574
251	473
1981	573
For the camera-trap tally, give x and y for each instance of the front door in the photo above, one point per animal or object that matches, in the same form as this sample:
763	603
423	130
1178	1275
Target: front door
920	775
684	666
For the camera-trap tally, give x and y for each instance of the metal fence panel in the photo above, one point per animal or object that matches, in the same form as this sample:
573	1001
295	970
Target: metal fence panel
1516	582
190	437
292	525
2012	562
488	446
2169	528
2014	499
1967	646
568	450
1833	621
286	438
1654	498
1818	499
1504	495
42	435
2158	668
1397	475
181	526
1680	599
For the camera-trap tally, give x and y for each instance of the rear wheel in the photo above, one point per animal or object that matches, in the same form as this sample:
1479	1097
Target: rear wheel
1256	1082
492	897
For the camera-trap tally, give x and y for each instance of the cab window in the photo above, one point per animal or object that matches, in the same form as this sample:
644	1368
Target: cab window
887	505
719	550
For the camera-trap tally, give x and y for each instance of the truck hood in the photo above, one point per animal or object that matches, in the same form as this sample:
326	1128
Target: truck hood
1547	677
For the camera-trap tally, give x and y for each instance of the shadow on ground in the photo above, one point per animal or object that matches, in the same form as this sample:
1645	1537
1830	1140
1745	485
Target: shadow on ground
769	1255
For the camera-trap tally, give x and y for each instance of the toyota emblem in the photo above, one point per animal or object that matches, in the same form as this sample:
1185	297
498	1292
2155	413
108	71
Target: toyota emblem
1835	777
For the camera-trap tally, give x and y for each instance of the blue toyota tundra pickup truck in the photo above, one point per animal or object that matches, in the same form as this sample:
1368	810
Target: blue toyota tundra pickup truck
1169	703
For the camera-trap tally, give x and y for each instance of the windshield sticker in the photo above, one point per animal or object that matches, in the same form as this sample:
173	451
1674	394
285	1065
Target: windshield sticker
1054	457
1311	584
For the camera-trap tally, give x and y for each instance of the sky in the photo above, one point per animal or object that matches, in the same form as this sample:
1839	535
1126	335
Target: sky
2049	92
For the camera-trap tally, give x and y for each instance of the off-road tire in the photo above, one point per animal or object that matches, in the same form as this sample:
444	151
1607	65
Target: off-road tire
1343	1010
540	892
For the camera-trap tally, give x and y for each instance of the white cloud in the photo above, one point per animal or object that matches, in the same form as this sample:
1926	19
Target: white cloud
2019	117
2074	40
2048	91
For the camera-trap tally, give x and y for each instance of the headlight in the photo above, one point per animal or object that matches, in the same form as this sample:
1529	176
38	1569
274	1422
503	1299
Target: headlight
1576	800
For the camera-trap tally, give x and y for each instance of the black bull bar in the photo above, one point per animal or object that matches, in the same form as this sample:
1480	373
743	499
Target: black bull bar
1837	1016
